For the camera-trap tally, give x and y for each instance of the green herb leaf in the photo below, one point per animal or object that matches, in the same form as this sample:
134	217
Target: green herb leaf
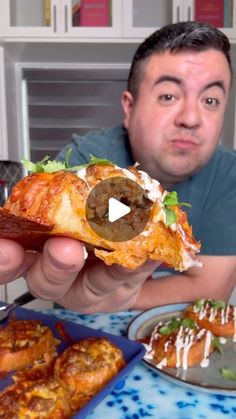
98	160
174	324
184	204
189	323
170	327
170	216
218	304
67	156
29	165
228	374
49	166
170	200
199	303
164	330
217	345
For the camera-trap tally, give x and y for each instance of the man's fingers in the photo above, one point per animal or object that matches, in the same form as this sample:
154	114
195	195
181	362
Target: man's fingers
55	270
11	260
135	276
102	279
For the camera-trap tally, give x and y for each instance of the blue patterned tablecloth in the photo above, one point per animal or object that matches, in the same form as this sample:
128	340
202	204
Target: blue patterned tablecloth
146	394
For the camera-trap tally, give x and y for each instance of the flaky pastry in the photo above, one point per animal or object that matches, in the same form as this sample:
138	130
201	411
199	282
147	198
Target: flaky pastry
43	204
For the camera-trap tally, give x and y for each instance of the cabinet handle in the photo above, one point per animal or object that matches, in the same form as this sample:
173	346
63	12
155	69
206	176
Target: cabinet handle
54	18
177	14
189	13
66	18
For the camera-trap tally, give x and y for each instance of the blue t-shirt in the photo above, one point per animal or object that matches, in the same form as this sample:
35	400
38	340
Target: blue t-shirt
211	192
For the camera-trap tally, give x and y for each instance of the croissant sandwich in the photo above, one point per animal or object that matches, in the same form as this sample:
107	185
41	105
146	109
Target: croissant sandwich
53	201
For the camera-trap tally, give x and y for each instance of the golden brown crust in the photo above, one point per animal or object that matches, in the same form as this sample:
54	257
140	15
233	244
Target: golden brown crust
184	347
54	204
45	398
61	385
24	341
85	367
220	321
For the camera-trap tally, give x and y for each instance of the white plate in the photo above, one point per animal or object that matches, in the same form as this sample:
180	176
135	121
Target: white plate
207	379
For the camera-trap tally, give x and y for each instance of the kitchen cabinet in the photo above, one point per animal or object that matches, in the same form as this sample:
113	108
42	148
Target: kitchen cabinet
57	19
141	18
121	20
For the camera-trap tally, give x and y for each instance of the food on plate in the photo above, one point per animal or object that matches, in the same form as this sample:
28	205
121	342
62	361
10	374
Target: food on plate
24	341
46	384
179	342
216	316
85	367
51	201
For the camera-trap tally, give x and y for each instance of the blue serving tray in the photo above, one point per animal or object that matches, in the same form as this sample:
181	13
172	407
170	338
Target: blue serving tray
133	351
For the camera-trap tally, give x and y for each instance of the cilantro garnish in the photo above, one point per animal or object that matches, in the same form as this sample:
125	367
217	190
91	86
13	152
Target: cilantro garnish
217	304
217	345
228	374
199	303
189	323
49	166
175	324
171	200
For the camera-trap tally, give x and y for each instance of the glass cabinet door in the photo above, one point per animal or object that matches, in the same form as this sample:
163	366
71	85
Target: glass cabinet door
143	17
31	17
93	18
220	13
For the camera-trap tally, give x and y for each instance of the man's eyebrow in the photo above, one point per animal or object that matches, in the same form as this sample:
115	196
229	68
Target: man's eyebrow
216	83
166	77
179	81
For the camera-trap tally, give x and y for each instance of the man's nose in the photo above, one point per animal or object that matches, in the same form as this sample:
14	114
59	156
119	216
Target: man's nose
189	114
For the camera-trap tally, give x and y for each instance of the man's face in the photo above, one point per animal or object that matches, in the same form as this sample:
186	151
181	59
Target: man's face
175	123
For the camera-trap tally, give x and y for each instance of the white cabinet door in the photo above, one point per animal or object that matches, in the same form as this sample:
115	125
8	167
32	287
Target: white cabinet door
141	18
3	125
93	19
31	18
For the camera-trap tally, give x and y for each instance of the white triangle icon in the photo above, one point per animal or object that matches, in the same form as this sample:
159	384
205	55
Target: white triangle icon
116	210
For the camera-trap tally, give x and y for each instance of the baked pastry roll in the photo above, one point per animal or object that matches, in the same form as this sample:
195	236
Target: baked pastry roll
24	341
40	399
85	367
179	343
216	316
54	204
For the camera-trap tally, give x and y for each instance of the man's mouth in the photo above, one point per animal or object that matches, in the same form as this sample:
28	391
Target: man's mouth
183	144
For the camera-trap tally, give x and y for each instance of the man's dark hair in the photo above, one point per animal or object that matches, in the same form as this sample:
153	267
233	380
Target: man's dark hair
193	36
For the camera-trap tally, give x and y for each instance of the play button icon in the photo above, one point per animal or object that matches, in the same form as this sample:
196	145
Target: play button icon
118	209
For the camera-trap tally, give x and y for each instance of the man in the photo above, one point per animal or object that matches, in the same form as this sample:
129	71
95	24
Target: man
174	108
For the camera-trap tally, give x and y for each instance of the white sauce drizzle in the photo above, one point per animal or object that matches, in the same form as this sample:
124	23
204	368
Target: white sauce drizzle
205	361
81	173
162	364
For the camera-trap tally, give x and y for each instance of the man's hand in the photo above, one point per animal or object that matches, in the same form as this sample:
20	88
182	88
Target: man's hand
14	262
61	274
55	270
